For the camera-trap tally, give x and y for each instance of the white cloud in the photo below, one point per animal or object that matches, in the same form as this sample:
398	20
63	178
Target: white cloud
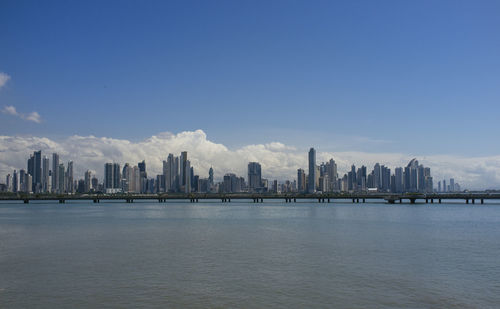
33	116
3	79
279	161
10	110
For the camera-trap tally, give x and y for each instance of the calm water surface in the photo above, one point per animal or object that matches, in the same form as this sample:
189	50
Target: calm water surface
239	255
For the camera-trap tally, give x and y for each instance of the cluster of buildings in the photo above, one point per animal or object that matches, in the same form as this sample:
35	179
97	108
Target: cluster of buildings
324	178
178	176
42	177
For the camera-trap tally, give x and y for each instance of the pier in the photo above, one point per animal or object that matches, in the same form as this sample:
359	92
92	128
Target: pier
355	198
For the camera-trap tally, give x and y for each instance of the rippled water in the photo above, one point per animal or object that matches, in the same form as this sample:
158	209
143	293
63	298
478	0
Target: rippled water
240	255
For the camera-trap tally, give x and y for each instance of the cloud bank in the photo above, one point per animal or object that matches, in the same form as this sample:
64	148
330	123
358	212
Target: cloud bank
33	116
279	161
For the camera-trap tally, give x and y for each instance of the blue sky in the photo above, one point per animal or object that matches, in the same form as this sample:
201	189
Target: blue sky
417	77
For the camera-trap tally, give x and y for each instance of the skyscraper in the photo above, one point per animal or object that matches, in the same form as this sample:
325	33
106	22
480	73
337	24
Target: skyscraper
88	181
143	176
187	177
377	177
169	171
211	177
22	180
37	171
69	178
45	174
116	176
301	180
254	176
398	186
312	171
184	173
108	176
15	182
55	172
61	185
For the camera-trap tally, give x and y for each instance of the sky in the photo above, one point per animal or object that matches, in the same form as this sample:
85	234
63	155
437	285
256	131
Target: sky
385	80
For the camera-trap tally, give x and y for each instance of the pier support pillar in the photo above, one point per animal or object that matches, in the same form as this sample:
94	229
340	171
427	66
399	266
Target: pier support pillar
482	201
467	201
400	201
412	201
26	201
363	200
439	201
473	201
432	201
295	200
427	201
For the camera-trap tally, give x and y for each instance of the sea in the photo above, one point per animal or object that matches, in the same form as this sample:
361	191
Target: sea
244	255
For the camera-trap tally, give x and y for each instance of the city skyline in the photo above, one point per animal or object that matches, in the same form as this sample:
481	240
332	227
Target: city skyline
279	161
178	175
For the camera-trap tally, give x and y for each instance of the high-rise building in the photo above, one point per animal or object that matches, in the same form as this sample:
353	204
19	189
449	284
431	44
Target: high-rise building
301	180
28	183
143	176
452	185
136	176
331	170
8	182
184	172
95	183
377	176
37	171
108	176
187	177
61	186
170	173
210	177
69	178
87	181
116	176
22	180
55	172
45	174
398	179
232	183
15	182
177	175
312	171
254	176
